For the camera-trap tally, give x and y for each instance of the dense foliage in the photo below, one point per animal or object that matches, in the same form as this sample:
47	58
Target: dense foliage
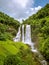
40	30
16	53
8	27
13	53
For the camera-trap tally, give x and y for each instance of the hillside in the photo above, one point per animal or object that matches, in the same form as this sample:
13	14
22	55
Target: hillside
40	30
44	12
16	53
8	26
13	53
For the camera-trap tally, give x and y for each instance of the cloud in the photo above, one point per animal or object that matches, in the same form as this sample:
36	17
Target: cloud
35	9
19	9
22	3
32	11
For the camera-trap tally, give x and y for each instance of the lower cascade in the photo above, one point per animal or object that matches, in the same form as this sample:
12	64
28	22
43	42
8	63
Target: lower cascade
24	35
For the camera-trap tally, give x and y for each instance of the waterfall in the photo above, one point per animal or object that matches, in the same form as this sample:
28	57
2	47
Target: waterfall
28	34
18	36
28	38
22	33
25	37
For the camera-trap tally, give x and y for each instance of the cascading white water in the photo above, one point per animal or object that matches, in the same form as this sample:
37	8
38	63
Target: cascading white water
28	35
26	38
23	33
18	36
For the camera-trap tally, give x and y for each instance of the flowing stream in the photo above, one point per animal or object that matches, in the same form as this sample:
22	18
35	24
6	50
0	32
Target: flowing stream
25	37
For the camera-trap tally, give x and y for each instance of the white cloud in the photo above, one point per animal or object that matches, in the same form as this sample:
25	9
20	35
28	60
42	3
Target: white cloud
22	3
38	8
32	11
19	9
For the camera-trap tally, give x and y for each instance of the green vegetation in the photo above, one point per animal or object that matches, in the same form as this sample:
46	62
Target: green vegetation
40	30
9	48
13	53
16	53
8	27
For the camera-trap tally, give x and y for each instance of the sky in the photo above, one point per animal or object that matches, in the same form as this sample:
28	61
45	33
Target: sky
21	9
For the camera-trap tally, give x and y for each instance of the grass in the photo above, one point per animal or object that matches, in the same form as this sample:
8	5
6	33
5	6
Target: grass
17	48
10	47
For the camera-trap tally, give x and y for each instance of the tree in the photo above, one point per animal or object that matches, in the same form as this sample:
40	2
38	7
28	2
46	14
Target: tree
11	60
